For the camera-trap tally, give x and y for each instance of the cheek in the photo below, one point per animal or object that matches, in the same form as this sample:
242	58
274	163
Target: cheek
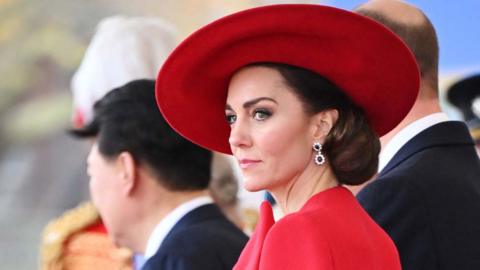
94	187
102	193
98	185
286	149
283	141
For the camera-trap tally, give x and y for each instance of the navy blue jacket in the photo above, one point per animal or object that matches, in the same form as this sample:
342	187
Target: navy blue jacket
203	239
427	199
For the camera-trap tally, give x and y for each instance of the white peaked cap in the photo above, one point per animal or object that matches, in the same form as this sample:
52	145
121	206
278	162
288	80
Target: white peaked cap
476	106
123	49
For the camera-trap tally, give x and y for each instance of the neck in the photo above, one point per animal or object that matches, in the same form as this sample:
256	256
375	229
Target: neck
423	106
301	188
153	210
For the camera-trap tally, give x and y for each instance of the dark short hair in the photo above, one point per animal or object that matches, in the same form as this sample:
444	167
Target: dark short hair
128	119
352	146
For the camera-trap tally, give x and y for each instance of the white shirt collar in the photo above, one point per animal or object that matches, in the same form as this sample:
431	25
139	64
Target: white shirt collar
407	133
168	222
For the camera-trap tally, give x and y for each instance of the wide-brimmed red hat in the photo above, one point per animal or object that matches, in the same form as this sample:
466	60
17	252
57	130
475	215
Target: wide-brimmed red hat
361	57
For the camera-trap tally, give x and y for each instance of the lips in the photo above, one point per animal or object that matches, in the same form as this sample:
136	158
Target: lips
248	163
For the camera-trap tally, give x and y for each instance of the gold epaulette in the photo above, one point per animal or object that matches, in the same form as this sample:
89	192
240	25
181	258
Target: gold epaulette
475	134
59	230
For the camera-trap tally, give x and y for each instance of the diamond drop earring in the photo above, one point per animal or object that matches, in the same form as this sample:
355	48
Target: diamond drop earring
319	157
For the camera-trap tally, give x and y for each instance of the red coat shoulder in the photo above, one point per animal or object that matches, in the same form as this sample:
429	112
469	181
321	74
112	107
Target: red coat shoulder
296	242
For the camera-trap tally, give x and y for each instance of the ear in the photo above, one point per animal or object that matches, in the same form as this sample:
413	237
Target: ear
323	123
127	169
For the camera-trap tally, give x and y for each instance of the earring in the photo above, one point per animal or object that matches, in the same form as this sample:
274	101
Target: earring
319	157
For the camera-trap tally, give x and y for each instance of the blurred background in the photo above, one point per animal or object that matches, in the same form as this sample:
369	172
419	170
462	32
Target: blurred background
42	170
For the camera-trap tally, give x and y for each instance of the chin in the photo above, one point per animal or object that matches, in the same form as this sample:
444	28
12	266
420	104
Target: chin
253	185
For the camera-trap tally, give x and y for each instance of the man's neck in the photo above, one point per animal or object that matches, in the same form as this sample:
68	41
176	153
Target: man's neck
420	109
170	221
154	211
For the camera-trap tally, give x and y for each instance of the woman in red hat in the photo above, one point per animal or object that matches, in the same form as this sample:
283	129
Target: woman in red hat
306	90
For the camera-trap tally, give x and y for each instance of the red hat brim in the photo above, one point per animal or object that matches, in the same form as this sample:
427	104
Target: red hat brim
363	58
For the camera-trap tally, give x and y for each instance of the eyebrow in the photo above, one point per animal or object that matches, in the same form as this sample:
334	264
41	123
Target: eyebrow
252	102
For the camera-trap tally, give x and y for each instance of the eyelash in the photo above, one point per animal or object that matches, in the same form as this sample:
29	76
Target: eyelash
266	114
231	118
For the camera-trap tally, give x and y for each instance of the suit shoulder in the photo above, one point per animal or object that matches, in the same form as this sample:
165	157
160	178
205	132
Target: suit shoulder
393	191
213	235
206	245
219	227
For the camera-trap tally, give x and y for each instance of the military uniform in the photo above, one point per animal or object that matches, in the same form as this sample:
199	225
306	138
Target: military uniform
78	240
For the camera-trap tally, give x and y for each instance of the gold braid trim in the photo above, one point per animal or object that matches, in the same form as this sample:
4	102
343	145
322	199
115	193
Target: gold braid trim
59	230
475	134
89	250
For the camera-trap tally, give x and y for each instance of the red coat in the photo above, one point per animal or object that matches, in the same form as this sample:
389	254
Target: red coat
331	231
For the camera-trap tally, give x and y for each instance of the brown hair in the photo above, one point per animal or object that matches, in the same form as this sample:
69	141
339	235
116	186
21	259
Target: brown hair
420	38
351	147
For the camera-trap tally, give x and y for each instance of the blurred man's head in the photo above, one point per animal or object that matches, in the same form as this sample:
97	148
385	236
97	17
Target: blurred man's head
412	26
416	30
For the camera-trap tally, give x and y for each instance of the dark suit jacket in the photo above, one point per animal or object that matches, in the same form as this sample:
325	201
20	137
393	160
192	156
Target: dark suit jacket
203	239
427	199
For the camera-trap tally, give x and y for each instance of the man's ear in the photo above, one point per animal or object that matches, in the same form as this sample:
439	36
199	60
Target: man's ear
127	169
323	122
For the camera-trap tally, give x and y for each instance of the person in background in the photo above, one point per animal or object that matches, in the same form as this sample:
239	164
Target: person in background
299	95
118	53
224	189
465	96
150	185
427	193
121	52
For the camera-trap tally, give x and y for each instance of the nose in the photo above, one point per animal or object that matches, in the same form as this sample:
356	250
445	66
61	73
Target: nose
239	136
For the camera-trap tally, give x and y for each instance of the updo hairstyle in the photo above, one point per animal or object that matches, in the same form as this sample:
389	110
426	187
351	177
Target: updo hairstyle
351	146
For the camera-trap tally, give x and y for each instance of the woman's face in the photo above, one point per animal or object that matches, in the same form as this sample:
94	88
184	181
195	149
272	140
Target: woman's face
271	136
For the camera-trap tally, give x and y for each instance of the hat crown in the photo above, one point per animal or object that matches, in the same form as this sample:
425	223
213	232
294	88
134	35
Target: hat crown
361	57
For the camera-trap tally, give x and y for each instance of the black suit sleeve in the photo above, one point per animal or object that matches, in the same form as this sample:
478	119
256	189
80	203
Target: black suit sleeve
174	261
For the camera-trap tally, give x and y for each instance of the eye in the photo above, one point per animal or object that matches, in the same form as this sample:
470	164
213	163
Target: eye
231	118
261	114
